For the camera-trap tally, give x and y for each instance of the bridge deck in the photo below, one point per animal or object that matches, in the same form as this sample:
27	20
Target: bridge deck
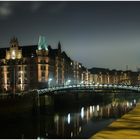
88	87
128	126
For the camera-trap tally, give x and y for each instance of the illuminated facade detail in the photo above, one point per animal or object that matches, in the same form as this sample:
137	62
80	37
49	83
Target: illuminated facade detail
5	77
106	76
42	44
14	51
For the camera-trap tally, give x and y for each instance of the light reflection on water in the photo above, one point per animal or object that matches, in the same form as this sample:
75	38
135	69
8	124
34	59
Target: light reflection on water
85	114
68	123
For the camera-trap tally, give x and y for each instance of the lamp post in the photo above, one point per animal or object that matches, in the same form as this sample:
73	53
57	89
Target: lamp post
68	82
49	82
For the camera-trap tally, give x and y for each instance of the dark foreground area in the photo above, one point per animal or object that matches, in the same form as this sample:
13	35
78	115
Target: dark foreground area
75	121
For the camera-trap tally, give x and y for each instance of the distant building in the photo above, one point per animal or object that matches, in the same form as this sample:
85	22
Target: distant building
106	76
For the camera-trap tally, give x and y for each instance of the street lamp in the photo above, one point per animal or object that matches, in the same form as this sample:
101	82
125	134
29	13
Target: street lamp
49	82
68	82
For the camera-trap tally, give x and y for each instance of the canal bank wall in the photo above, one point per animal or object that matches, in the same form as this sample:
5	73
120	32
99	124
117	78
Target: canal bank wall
72	99
127	127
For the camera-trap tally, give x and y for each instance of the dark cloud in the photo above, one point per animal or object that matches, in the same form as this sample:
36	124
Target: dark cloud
6	9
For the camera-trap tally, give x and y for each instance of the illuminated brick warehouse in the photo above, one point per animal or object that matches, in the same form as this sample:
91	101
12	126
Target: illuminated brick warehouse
39	66
36	66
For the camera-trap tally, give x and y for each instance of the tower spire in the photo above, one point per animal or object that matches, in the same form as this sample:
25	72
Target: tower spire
59	46
42	44
14	42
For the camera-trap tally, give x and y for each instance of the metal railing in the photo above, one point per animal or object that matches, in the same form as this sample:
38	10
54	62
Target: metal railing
89	86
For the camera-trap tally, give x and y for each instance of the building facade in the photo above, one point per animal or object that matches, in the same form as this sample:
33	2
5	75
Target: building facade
40	66
106	76
37	66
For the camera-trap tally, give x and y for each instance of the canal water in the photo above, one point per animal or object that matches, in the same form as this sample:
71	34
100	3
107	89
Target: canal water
80	121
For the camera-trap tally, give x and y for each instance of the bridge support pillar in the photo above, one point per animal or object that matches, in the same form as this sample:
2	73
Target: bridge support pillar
38	100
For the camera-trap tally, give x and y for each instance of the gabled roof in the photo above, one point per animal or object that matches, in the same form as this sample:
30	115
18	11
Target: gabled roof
97	70
65	56
52	52
27	51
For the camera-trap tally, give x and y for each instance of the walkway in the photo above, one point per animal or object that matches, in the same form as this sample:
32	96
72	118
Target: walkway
127	127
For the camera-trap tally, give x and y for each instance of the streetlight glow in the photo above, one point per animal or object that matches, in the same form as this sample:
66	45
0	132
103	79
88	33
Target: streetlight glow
50	79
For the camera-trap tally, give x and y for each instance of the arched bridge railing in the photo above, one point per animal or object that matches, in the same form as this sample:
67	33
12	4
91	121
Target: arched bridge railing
88	87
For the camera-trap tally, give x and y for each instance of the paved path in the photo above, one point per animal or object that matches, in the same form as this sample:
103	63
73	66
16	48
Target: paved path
127	127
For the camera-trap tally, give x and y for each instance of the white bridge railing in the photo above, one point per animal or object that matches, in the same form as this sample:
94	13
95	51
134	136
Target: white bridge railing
88	86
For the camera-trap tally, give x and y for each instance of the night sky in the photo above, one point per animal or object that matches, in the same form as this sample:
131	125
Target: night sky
97	34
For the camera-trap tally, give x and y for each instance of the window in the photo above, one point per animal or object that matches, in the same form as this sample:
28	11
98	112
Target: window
25	68
43	74
8	75
25	74
43	67
43	61
19	68
19	81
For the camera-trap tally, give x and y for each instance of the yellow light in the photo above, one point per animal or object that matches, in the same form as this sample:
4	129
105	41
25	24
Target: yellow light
13	54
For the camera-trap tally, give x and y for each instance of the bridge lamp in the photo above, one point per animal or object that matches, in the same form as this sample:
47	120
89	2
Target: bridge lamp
82	82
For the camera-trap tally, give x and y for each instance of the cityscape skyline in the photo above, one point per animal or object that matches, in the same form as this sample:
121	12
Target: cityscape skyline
97	34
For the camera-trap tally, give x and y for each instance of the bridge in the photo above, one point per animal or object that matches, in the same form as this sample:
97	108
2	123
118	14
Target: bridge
87	87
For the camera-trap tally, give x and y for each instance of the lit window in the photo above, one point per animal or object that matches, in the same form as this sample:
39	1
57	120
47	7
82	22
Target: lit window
13	54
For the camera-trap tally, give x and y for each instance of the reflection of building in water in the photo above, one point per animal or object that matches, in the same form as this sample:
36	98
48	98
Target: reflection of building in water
71	121
70	125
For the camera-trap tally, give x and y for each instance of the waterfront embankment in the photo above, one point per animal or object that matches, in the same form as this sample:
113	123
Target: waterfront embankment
128	126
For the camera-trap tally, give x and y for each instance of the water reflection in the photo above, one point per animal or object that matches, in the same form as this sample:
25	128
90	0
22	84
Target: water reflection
82	112
85	114
69	118
68	123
